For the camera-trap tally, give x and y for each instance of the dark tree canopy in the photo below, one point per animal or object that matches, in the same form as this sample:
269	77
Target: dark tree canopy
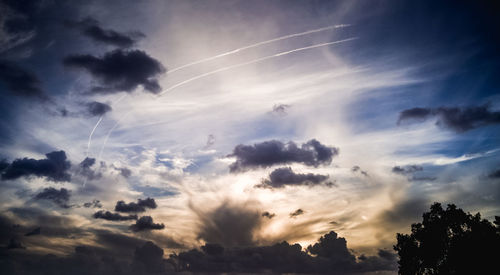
450	241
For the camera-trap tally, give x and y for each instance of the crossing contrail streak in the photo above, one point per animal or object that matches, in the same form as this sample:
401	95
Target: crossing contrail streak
257	45
97	125
109	133
88	144
252	62
90	136
93	130
225	69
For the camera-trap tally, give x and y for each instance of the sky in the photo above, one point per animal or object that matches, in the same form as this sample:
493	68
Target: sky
186	135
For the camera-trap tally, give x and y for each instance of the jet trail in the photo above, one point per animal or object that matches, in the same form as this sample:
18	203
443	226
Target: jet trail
252	62
90	136
111	131
225	69
97	124
256	45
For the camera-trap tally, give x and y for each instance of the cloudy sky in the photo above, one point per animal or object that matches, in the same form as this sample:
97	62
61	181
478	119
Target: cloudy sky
236	125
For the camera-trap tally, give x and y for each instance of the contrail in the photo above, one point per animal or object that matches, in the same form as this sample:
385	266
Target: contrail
97	124
92	133
225	69
88	144
90	136
252	62
111	131
258	44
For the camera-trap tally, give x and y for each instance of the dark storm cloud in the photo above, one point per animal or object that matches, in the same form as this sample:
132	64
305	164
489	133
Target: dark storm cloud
86	170
334	248
14	243
495	174
59	197
133	258
20	19
296	213
457	119
19	81
116	253
97	108
419	114
269	153
140	206
149	258
410	170
93	204
331	256
87	162
106	215
92	29
229	225
34	232
268	215
284	176
125	172
120	70
405	170
146	223
54	167
3	164
122	254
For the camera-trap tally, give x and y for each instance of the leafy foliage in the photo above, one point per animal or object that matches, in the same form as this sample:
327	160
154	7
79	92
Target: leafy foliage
449	241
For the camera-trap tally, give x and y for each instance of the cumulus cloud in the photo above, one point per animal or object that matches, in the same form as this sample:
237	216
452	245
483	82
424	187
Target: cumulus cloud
59	197
19	81
331	256
106	215
458	119
280	109
410	170
149	258
334	248
54	167
269	153
268	215
356	169
125	172
95	108
296	213
120	70
284	176
87	171
146	223
405	170
140	206
93	204
229	225
91	28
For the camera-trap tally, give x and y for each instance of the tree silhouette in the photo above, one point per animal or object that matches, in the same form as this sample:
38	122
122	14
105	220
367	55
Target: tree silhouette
450	242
